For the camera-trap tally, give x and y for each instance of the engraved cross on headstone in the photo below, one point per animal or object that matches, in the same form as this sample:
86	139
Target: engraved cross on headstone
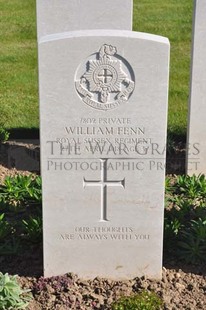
103	183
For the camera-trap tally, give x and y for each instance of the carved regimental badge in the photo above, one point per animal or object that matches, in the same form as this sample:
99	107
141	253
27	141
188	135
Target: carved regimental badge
106	80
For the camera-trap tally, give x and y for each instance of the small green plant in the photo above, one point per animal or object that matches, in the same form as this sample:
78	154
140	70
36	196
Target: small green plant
172	228
33	229
185	217
191	186
168	185
4	134
142	301
5	228
21	190
192	245
11	295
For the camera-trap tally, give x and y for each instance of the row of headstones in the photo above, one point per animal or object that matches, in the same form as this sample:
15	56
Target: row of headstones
103	119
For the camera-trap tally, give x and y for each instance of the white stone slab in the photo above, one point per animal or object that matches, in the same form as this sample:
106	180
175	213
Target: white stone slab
196	145
109	88
56	16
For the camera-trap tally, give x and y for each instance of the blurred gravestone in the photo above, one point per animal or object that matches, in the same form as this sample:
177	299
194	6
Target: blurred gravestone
57	16
196	146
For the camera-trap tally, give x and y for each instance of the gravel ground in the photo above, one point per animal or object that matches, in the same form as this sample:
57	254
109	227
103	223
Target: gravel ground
181	287
178	289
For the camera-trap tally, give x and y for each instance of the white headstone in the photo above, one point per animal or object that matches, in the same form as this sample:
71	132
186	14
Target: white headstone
103	107
196	145
56	16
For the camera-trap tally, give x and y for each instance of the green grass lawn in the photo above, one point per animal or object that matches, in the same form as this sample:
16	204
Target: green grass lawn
18	62
18	57
172	19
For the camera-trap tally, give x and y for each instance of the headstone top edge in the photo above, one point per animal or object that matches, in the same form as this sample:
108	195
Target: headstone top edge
106	33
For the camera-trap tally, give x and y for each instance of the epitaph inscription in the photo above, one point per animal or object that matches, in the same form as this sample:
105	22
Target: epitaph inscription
114	234
108	80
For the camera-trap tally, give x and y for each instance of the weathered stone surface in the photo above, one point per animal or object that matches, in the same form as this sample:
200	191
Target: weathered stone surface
56	16
196	146
103	107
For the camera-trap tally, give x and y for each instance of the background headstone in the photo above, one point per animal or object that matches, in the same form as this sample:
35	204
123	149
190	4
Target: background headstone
23	155
56	16
196	141
102	96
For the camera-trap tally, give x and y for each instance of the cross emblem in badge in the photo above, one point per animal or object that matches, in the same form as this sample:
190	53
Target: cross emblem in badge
105	76
103	183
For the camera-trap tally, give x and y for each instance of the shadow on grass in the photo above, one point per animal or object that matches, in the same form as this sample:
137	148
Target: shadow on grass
24	133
